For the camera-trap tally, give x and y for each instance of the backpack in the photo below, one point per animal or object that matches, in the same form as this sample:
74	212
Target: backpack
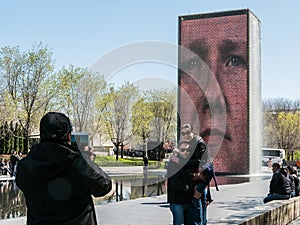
210	174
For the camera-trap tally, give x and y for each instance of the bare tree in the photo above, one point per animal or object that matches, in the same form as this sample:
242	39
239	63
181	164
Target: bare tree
118	115
87	90
97	97
82	95
67	82
163	107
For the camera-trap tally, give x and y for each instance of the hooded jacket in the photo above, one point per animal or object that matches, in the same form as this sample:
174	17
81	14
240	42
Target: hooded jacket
58	182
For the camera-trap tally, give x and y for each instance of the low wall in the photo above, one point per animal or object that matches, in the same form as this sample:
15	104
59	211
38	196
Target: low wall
279	212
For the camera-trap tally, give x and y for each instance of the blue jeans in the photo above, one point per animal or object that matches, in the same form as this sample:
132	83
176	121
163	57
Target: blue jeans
293	194
272	197
197	212
195	215
204	206
180	213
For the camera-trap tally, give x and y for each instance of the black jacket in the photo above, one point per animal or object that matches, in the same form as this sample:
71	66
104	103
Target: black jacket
296	181
58	182
280	184
292	182
199	153
179	188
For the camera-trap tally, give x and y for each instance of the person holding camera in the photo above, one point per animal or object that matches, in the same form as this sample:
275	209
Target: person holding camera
57	180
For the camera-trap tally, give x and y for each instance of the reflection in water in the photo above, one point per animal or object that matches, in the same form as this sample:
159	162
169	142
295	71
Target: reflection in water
132	187
12	201
124	188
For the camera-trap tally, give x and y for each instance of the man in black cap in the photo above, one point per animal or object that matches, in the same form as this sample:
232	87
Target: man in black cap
57	180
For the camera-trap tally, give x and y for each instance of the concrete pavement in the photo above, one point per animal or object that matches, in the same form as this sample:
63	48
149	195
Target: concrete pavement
232	204
295	222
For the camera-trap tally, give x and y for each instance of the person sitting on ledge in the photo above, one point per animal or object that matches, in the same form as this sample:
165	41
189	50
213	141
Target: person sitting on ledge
280	187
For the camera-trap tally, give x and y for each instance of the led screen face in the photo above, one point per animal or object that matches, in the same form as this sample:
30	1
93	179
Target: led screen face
213	83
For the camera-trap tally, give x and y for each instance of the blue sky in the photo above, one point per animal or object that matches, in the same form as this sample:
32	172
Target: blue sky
80	32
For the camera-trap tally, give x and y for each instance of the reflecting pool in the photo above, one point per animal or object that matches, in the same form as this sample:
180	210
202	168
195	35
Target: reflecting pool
12	202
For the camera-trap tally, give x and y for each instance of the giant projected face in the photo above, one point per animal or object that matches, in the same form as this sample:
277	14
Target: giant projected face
221	42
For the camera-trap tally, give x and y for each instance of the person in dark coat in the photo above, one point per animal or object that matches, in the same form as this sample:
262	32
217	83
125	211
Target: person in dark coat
14	159
179	187
294	181
57	180
280	187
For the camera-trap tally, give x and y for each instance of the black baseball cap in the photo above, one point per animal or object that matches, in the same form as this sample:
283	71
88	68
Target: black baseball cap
55	127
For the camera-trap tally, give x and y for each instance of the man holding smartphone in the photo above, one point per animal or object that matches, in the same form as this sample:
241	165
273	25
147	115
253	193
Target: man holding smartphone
57	180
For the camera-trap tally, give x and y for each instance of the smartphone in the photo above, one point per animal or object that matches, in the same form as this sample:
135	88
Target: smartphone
73	142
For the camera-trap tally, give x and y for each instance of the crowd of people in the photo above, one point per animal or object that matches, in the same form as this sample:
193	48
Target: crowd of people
284	183
9	166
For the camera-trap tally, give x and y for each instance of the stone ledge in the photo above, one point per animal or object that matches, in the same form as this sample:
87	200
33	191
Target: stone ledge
279	212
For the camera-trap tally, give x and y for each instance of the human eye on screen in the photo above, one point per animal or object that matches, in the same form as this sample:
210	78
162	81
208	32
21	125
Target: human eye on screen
190	64
235	61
